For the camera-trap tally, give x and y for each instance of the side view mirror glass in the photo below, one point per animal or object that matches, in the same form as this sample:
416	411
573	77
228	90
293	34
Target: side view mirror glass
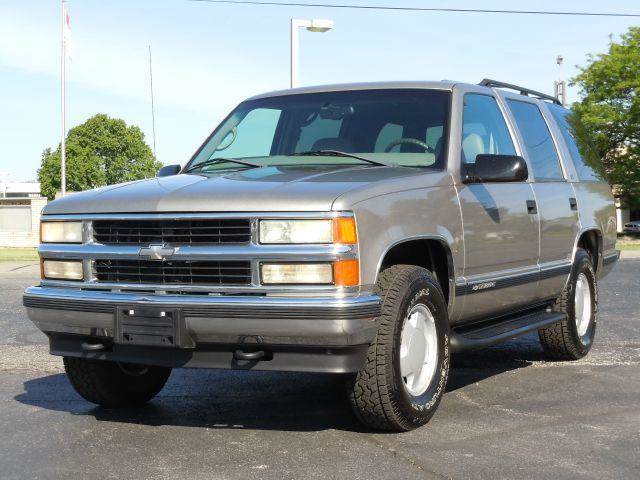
169	170
496	168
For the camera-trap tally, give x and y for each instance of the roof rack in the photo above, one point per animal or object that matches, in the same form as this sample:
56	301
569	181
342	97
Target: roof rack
487	82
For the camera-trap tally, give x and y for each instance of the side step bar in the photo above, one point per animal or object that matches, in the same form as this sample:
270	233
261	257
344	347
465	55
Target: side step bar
469	337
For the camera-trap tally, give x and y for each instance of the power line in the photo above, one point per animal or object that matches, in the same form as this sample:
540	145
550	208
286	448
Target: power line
424	9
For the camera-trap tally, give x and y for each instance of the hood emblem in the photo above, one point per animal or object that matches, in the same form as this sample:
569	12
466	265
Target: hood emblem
157	252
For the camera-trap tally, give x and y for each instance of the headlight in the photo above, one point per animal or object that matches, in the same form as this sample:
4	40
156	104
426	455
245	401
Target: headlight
61	232
343	273
62	269
337	230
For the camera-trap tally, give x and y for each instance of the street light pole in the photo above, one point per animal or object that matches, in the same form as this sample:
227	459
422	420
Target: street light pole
315	25
560	86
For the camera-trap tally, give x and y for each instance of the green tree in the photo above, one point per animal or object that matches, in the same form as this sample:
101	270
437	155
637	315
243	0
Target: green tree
101	151
610	111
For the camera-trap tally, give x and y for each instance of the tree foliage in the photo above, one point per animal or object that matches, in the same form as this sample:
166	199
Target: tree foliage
101	151
610	110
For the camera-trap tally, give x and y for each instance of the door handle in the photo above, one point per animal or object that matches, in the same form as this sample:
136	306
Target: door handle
532	208
573	203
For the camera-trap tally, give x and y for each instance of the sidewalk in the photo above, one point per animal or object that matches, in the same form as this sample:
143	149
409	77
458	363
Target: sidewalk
629	254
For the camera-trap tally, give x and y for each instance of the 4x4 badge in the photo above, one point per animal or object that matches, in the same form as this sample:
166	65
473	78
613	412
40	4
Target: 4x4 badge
156	252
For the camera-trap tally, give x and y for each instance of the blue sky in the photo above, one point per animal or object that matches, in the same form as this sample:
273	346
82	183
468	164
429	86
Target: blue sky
209	57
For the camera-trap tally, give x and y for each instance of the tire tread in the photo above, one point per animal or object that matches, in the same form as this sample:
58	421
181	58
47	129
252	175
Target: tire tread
369	391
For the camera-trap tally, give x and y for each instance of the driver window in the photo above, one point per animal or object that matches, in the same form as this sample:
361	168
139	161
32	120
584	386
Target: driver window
389	133
484	130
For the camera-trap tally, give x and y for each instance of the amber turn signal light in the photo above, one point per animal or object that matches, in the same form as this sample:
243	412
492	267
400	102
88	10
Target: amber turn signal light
344	230
346	273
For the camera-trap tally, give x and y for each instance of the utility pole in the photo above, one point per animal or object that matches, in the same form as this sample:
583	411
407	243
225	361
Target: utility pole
560	85
153	115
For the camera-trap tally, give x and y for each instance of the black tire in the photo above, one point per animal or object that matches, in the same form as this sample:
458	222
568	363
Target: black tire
561	341
377	393
112	384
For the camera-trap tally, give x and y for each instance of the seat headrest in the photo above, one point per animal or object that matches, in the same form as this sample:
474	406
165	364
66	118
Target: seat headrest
472	146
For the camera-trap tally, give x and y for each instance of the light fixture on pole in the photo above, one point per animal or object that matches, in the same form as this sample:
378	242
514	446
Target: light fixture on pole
315	25
560	86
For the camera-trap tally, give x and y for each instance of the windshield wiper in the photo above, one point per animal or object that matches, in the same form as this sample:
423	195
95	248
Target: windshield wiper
213	161
337	153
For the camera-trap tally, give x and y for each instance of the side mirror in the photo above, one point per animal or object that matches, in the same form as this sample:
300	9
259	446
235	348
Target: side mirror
496	168
169	170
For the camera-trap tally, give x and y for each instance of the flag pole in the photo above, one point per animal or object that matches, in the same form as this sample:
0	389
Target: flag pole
63	172
153	115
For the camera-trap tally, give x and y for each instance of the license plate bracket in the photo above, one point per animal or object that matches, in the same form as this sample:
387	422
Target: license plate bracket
151	326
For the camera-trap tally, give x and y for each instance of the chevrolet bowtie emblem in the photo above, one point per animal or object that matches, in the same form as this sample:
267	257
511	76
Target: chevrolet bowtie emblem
156	252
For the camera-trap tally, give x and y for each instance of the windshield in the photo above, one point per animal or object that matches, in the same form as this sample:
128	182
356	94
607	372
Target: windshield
399	127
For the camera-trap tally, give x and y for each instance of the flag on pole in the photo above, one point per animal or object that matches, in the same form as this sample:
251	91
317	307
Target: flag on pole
66	31
65	47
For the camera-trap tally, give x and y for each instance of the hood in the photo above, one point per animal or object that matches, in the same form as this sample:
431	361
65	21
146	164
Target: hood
274	188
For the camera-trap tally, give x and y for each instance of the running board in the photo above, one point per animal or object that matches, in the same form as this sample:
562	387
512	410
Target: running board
470	337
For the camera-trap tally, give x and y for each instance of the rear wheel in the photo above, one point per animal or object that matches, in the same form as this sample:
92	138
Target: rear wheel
407	366
572	338
115	384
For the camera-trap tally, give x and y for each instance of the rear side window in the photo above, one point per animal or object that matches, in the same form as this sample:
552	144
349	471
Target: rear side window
484	130
577	140
543	156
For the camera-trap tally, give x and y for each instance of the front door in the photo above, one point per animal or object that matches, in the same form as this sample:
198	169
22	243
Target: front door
500	226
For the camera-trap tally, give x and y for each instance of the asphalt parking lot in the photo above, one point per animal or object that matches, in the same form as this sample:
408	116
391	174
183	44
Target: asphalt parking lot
507	414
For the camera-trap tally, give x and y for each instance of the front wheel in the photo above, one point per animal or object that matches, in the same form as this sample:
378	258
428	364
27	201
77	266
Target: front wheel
407	366
115	384
572	338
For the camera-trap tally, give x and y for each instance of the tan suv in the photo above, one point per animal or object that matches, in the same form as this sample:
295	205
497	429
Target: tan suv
368	230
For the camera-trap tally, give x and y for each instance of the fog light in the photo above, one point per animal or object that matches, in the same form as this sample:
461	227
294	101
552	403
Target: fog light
297	273
62	269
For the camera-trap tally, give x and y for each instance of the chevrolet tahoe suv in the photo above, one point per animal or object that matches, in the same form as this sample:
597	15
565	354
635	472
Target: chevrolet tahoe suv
369	230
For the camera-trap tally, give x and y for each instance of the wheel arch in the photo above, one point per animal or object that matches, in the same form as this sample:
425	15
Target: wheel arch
589	239
431	252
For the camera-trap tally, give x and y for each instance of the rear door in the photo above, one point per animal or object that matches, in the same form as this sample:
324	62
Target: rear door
555	198
500	233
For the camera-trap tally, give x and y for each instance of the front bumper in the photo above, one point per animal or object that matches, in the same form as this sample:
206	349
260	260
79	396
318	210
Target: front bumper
325	334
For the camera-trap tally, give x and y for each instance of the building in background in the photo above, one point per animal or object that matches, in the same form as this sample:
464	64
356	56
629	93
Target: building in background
20	207
623	213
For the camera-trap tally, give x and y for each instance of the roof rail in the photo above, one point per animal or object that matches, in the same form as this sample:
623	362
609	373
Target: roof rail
487	82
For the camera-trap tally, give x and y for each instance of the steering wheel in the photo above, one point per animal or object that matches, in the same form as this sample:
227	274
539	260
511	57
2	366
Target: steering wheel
411	141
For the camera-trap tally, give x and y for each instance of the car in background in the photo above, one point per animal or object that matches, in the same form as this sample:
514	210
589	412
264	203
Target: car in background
632	227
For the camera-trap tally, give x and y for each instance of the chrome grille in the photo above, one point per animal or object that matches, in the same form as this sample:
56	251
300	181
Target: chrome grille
173	232
173	272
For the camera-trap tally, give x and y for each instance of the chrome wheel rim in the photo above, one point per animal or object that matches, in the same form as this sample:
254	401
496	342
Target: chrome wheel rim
582	304
418	350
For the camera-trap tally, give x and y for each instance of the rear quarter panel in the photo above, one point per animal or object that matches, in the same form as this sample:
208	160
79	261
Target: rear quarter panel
597	211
